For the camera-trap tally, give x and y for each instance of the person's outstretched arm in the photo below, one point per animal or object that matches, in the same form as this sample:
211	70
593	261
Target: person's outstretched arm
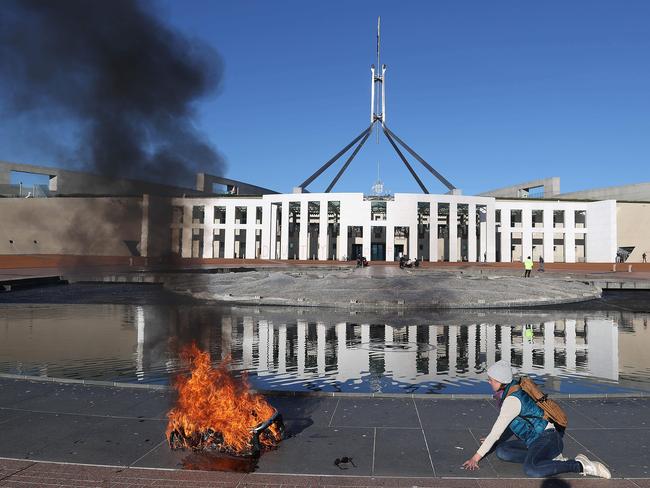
509	410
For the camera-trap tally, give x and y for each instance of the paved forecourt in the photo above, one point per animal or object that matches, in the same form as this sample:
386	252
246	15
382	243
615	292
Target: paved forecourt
392	440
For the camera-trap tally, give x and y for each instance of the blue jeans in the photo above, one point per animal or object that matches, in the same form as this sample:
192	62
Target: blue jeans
538	458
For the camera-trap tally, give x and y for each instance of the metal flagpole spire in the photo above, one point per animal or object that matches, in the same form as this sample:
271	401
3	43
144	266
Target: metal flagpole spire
377	115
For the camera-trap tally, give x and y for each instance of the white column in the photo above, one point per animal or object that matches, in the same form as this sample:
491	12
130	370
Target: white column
569	236
250	232
390	243
226	336
229	233
570	344
413	240
506	241
284	238
263	346
491	233
247	342
471	233
482	244
320	347
471	349
266	230
282	349
304	230
364	354
527	352
433	351
433	232
548	235
491	345
301	352
139	353
453	349
270	229
208	230
506	343
453	232
322	231
187	231
367	237
526	233
549	347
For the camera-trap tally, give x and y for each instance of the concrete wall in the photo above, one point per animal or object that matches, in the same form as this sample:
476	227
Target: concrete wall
639	192
634	229
65	182
76	226
551	188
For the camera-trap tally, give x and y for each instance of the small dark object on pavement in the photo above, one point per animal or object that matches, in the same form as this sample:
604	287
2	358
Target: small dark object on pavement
344	460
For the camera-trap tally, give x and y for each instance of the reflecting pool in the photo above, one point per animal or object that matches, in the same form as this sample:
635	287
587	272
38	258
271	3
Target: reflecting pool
577	352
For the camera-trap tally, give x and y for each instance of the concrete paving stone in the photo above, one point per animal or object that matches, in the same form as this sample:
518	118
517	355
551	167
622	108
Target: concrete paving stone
15	391
36	430
154	406
401	452
10	415
515	470
163	457
376	412
83	439
614	412
450	448
314	451
301	412
454	414
624	451
577	419
89	400
117	442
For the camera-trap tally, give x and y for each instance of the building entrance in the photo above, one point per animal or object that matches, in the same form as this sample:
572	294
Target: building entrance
378	252
357	251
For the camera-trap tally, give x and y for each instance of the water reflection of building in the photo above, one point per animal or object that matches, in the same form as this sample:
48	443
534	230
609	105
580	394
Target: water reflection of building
345	351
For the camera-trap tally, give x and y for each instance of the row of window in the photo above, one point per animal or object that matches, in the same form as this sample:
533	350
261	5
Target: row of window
378	212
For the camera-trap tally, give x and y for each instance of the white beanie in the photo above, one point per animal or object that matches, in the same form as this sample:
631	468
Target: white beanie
500	371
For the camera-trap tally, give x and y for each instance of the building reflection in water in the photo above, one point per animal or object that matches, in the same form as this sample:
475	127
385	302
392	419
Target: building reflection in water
139	343
321	355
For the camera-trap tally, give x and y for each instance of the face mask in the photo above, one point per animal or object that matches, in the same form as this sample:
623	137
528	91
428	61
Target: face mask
498	396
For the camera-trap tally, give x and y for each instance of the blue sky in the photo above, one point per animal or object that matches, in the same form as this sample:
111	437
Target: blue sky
489	93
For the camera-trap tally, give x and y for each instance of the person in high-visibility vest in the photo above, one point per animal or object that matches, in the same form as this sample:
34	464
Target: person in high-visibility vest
528	266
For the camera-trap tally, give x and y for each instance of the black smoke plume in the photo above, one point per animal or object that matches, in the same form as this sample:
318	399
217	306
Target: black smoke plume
111	73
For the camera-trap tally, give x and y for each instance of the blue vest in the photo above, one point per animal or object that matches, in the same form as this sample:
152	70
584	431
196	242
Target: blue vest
530	422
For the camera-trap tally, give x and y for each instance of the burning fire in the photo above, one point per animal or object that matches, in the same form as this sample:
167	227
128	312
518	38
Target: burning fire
216	411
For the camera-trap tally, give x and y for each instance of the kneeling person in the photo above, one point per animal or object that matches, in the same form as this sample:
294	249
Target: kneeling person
539	444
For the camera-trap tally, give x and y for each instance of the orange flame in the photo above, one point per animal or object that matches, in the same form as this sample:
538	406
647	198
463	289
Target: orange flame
212	400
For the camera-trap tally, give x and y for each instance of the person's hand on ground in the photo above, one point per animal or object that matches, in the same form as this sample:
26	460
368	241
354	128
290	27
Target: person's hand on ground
472	463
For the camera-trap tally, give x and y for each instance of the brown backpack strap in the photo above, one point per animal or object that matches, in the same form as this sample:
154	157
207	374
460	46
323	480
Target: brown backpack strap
513	389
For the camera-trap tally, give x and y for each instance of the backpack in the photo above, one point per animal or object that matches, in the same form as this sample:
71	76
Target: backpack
552	411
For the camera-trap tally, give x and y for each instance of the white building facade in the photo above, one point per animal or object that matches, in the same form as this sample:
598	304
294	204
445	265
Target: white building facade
342	226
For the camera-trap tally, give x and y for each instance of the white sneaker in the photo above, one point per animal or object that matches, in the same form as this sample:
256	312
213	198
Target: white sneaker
560	457
593	468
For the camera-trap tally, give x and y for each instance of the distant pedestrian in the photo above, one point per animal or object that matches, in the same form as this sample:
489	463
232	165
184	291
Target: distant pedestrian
538	442
644	256
528	267
541	264
485	257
